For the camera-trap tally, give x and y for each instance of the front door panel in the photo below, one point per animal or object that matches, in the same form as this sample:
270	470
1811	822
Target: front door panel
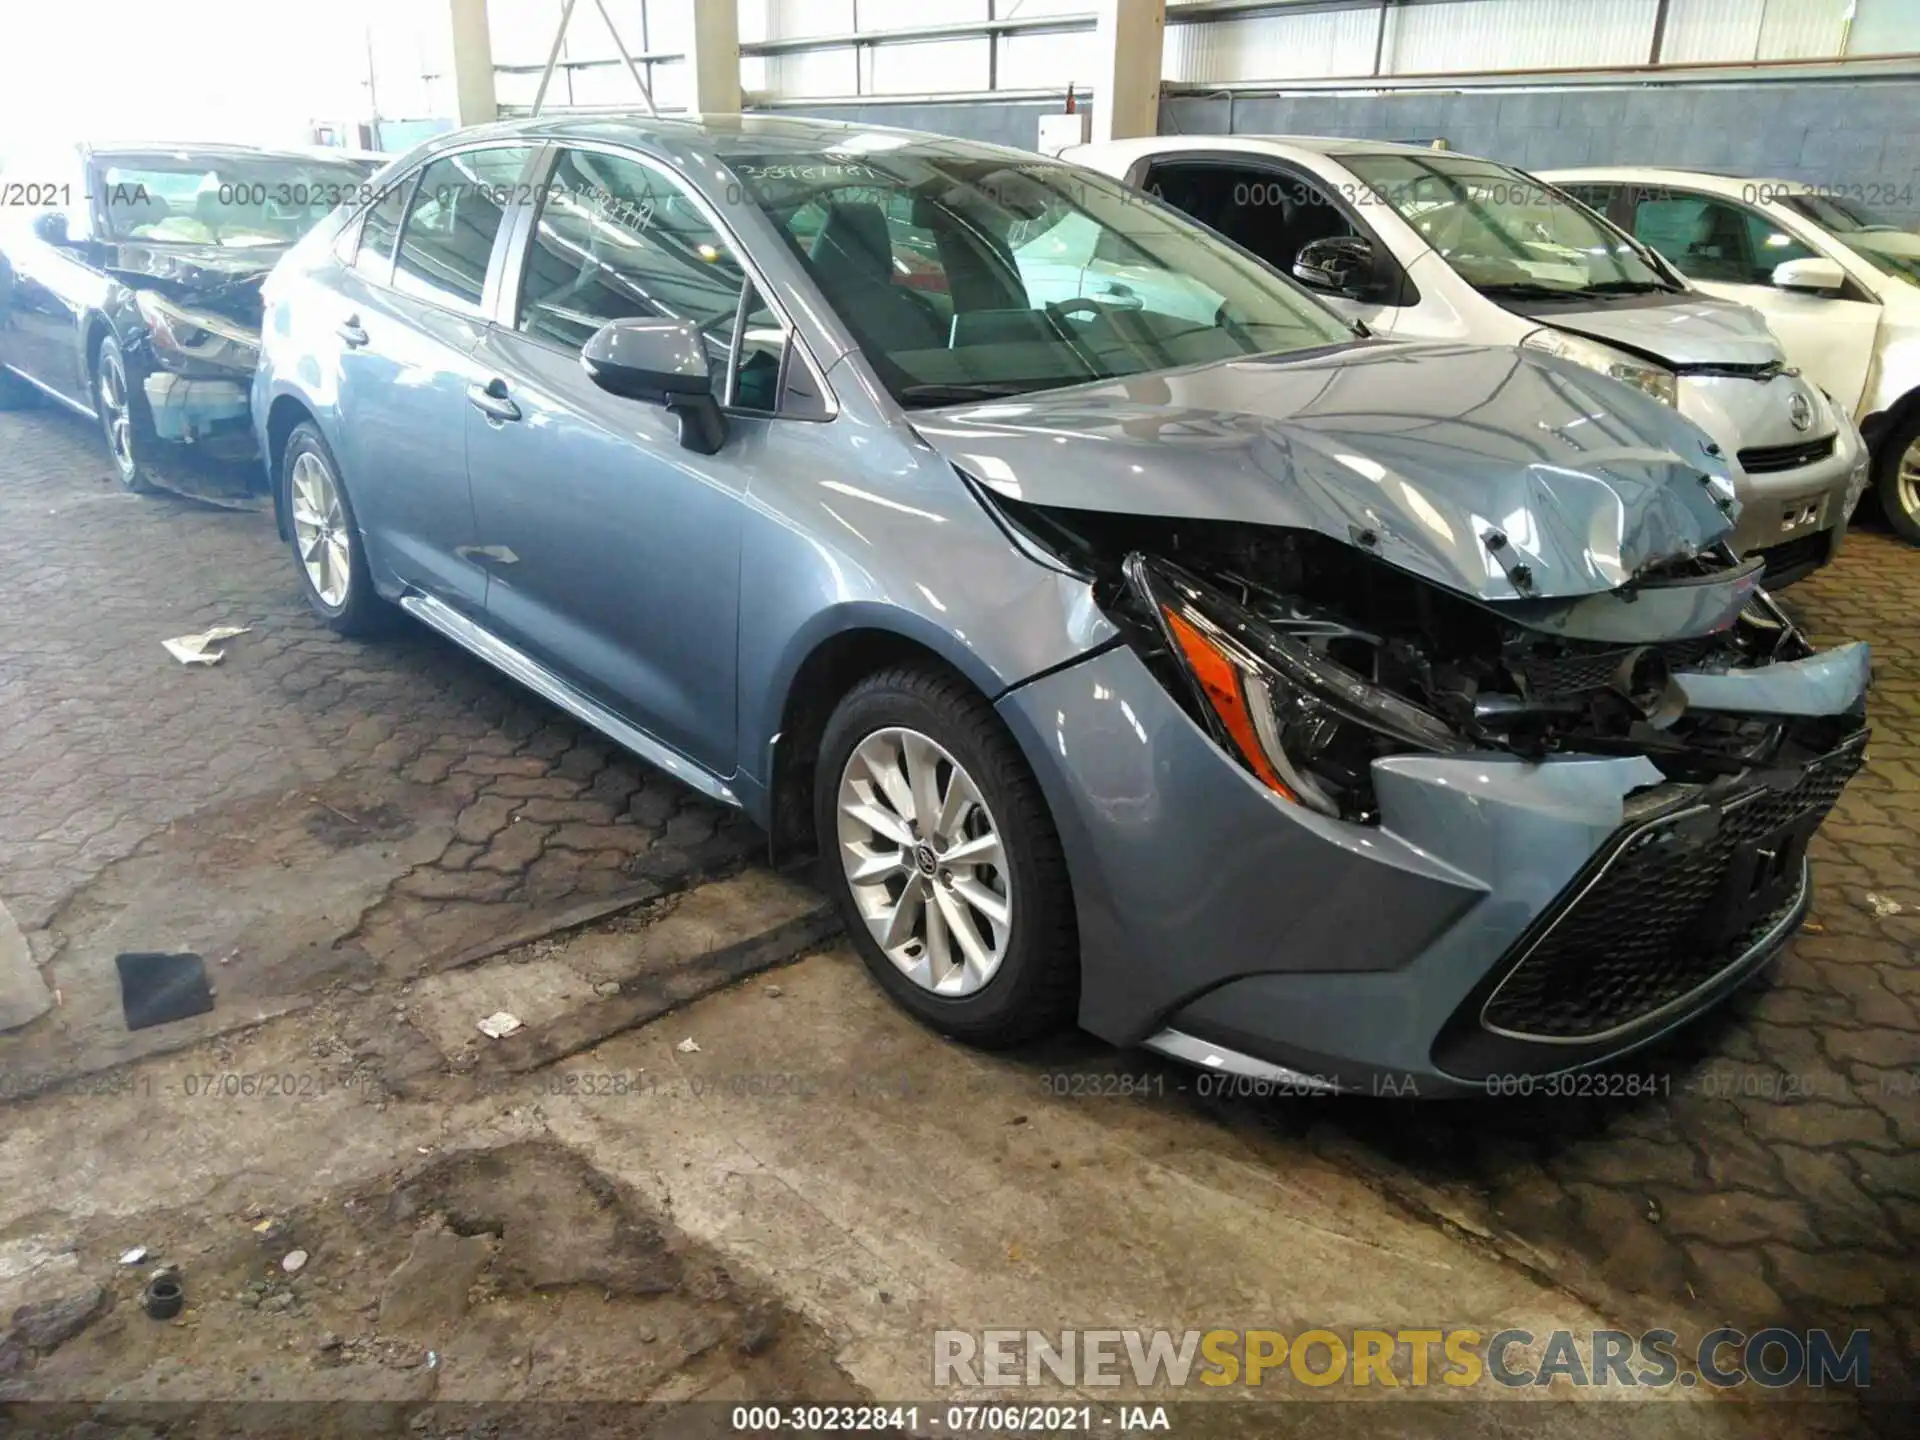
613	553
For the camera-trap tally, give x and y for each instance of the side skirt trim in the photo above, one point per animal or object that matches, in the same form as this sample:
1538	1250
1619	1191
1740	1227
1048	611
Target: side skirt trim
52	394
543	682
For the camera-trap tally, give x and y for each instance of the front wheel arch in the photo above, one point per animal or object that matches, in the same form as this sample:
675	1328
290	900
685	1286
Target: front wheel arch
831	669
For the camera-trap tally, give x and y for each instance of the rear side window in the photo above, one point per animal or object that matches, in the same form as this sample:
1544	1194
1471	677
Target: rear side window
1711	240
457	211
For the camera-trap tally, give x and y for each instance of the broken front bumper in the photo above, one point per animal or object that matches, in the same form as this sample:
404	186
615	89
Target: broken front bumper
1224	926
195	411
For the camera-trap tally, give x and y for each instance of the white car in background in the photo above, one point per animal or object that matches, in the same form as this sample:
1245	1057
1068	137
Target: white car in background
1839	284
1429	244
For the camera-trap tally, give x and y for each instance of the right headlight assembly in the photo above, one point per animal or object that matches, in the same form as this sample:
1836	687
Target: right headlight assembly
1307	726
1643	375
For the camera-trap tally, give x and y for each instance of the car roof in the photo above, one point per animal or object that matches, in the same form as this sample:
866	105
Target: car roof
210	148
1706	179
1109	153
726	135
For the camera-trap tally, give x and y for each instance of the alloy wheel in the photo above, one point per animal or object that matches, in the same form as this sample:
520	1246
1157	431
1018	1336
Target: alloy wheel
320	530
924	861
1907	480
116	411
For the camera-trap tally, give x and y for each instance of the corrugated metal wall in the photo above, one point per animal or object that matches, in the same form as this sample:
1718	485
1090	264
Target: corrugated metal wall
1272	47
1452	37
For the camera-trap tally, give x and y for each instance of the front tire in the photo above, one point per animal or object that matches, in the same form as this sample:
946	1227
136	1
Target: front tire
1898	482
125	420
944	861
328	548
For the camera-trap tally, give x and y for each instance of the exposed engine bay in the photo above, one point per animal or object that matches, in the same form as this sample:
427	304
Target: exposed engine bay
1310	659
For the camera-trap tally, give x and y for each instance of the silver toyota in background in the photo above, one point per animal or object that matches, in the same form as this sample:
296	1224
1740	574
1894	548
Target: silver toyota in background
1308	706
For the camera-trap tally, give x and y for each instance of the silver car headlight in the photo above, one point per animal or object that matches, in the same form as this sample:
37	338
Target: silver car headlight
1643	375
188	340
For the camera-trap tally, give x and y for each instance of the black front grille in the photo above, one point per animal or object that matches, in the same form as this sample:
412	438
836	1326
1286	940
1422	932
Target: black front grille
1791	559
1591	668
1765	459
1628	943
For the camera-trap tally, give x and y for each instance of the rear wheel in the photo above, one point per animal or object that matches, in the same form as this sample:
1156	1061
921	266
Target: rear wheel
125	419
326	538
1899	481
944	860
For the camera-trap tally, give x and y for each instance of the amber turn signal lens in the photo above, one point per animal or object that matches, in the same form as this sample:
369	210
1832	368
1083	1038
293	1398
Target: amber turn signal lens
1223	683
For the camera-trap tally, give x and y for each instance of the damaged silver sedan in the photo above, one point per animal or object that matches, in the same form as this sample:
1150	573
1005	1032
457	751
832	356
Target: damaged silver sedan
1136	643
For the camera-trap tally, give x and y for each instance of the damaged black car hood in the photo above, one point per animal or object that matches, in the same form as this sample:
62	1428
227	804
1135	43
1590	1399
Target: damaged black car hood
1495	472
218	277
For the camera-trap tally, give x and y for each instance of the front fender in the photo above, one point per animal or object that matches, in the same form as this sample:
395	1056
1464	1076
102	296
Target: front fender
875	532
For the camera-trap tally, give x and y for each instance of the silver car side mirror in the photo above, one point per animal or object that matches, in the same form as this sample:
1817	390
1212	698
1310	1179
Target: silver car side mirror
1814	273
663	362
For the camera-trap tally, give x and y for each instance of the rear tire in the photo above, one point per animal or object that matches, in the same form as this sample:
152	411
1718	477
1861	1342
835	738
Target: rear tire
944	860
1898	482
125	420
328	548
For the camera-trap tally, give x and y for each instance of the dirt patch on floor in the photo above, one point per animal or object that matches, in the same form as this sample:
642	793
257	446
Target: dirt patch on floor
519	1274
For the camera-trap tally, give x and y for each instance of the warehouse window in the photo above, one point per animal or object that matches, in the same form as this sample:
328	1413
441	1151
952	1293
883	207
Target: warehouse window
1715	240
618	240
457	210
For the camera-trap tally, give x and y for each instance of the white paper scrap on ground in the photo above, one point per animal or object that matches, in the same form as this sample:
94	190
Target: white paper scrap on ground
197	649
499	1025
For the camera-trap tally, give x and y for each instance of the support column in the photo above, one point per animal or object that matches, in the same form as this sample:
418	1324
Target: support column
473	91
1126	95
713	58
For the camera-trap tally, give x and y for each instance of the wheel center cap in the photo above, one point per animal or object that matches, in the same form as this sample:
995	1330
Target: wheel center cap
924	858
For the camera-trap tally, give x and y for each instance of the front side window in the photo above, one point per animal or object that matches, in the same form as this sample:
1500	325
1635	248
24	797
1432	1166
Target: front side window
1272	213
455	215
233	201
965	277
1891	248
616	239
1505	233
1715	240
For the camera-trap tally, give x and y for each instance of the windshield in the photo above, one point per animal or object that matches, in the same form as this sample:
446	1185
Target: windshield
964	278
1887	245
1504	232
236	201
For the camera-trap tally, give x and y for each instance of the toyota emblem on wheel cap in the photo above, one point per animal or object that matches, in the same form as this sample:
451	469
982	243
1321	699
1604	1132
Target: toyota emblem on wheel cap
1800	410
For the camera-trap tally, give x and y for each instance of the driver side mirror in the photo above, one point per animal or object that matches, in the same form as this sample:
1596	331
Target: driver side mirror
50	228
663	362
1815	273
1341	265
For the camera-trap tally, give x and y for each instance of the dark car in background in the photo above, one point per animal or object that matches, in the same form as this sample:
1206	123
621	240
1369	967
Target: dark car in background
130	283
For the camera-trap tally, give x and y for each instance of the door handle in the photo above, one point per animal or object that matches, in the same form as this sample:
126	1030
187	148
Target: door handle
492	400
351	332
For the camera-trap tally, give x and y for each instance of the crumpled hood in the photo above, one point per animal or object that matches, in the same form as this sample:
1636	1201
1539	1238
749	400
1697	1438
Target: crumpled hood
228	280
1428	449
1679	329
